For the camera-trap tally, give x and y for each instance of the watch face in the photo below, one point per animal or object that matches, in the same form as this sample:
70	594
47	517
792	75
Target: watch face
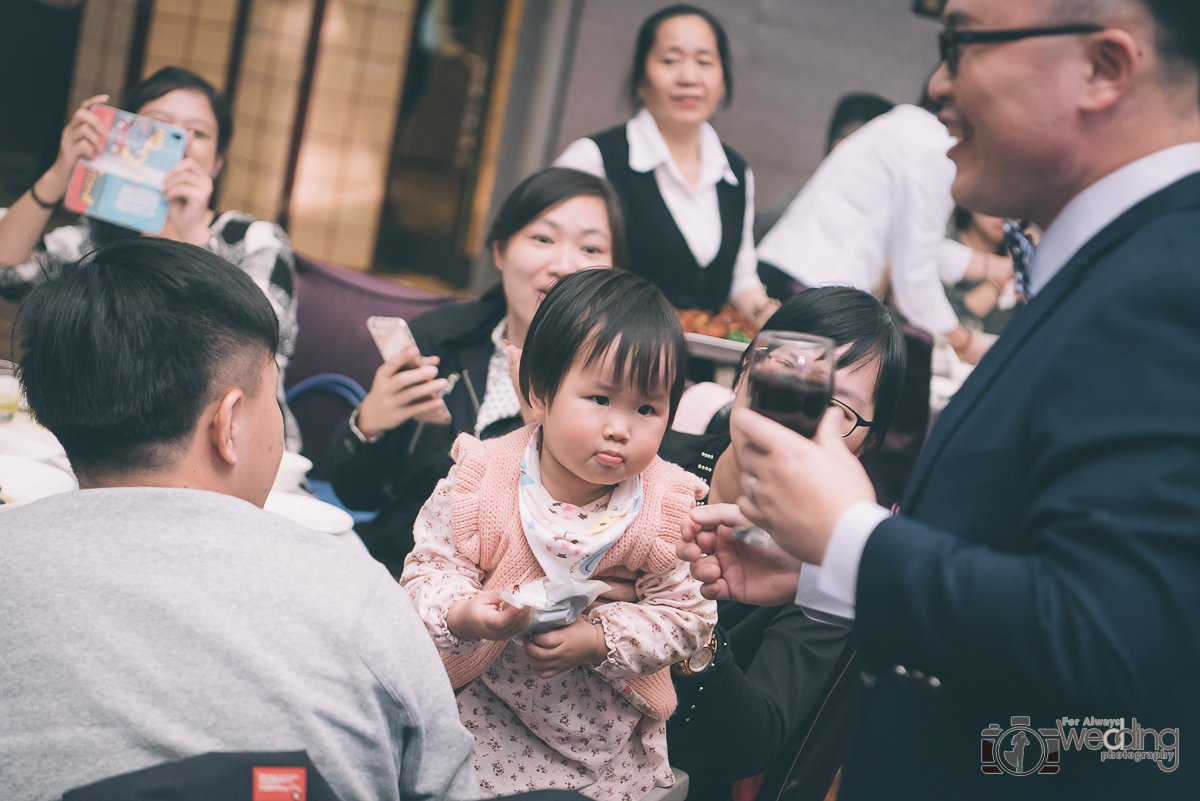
700	660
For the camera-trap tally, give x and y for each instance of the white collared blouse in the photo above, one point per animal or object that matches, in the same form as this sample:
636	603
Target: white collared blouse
695	209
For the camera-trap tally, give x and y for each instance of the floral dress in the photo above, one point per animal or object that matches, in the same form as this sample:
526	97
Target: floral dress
574	731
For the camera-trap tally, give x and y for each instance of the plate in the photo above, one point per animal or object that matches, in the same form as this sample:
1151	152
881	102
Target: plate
309	512
723	351
292	469
23	480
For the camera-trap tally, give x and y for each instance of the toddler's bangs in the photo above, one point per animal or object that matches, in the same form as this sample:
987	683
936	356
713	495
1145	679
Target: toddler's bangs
644	359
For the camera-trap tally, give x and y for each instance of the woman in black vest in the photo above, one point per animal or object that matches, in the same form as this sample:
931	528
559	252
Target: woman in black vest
689	199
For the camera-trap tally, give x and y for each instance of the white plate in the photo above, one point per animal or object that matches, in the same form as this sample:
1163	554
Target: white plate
292	469
310	512
722	351
24	480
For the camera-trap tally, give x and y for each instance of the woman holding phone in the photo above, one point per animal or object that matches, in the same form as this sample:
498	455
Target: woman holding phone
690	198
394	448
184	99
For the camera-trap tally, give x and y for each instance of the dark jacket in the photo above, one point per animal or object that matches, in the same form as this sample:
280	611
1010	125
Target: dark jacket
397	474
773	665
1046	559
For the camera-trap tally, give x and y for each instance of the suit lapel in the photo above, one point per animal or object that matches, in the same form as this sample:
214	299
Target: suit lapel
1182	194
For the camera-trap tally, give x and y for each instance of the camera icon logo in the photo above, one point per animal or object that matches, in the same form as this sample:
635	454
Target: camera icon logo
1019	750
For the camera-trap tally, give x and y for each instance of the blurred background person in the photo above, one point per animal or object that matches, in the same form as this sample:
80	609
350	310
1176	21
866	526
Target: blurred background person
689	197
987	304
852	112
256	247
388	455
874	217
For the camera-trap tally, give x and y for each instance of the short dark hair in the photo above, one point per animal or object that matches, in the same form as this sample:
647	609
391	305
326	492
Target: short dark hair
852	317
856	108
1176	22
648	33
584	314
124	350
1177	35
549	187
167	80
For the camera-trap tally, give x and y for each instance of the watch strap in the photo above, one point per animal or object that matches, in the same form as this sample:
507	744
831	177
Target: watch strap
683	667
363	438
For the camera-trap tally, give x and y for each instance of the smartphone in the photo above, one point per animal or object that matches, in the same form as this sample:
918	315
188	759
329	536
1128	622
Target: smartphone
392	336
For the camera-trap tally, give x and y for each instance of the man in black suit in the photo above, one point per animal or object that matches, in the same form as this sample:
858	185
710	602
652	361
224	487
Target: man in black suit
1045	564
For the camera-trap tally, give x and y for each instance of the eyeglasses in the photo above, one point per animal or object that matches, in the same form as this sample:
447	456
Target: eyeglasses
851	420
949	41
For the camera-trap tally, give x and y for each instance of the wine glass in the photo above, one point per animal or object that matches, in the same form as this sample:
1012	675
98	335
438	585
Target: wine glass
790	380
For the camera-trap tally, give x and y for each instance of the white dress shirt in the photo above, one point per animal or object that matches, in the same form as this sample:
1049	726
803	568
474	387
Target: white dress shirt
831	590
695	210
880	199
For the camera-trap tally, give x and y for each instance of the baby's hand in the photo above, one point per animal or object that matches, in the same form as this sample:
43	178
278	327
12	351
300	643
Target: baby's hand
485	617
554	652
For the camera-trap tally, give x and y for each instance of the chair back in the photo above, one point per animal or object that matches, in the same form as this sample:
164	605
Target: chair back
806	766
230	776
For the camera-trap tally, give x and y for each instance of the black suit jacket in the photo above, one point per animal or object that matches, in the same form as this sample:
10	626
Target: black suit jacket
1046	562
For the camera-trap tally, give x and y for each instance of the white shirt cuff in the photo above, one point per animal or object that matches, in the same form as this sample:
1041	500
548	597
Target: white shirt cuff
827	593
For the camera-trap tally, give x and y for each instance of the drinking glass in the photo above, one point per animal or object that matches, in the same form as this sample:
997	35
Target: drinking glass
10	391
790	380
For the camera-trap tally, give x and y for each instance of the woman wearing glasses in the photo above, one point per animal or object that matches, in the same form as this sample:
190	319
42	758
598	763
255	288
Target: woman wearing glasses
739	699
689	198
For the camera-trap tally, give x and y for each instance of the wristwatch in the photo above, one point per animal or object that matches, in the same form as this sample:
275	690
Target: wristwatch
363	438
700	661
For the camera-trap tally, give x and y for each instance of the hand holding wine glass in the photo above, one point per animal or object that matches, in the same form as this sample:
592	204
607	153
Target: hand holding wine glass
790	381
804	486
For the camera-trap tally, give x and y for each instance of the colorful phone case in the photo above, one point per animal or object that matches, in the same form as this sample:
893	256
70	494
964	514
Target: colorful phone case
123	185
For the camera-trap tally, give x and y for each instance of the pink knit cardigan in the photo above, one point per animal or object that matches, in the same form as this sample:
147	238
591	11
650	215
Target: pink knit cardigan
488	531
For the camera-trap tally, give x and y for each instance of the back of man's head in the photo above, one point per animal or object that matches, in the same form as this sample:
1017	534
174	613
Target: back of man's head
128	347
852	112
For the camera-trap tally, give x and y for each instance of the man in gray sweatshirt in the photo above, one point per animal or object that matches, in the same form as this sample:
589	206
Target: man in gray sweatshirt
159	612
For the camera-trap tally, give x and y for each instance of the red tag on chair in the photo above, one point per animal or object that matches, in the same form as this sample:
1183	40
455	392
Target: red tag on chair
747	789
280	784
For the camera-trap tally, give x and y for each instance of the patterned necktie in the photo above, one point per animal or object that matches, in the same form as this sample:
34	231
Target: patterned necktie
1021	250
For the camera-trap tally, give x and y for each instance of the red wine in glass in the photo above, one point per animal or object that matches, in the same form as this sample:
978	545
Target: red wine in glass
790	381
790	399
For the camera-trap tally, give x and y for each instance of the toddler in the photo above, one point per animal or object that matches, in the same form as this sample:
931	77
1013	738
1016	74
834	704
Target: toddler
561	692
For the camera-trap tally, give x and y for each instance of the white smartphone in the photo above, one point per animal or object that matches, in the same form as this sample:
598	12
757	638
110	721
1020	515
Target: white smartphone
391	335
